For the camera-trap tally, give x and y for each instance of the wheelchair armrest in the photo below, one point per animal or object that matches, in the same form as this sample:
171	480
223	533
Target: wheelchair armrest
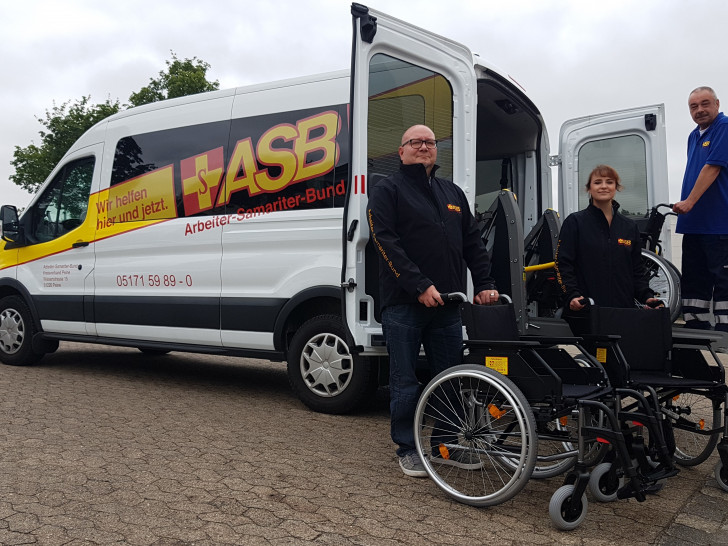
553	340
601	337
690	340
499	343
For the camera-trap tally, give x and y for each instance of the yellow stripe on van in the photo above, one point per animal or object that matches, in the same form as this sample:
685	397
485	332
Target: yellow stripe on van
137	203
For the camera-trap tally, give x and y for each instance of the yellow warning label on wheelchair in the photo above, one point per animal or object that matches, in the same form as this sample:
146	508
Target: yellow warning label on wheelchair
497	363
602	354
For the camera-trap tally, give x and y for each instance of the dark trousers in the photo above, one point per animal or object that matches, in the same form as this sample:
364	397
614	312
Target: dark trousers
705	278
406	328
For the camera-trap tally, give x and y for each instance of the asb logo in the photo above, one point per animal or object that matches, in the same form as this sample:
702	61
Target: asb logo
201	177
453	207
624	242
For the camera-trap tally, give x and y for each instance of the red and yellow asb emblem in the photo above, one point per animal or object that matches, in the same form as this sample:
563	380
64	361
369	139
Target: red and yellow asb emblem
624	242
453	207
706	144
201	177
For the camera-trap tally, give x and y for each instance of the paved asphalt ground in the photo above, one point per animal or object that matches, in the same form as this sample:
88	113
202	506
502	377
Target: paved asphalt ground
108	446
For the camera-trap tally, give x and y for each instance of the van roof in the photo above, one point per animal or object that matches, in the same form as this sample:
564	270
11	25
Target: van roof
211	95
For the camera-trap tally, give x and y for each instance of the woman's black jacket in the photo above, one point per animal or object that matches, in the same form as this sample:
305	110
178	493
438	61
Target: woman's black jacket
600	261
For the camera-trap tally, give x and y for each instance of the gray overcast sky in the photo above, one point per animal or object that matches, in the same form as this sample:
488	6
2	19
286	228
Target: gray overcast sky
574	58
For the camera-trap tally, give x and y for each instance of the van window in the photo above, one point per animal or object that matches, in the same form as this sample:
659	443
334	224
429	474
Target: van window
401	95
62	205
627	154
490	175
261	164
157	174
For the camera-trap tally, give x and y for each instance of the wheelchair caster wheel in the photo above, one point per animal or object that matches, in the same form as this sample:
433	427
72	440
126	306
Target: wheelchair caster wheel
564	517
604	484
721	475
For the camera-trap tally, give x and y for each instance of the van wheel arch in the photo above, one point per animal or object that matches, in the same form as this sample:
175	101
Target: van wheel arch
314	301
322	370
17	330
11	287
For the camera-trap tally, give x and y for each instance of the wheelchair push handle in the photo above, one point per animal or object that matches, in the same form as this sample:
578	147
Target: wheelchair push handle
453	297
459	297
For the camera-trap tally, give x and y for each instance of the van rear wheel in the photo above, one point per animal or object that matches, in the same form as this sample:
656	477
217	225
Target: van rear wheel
322	371
16	333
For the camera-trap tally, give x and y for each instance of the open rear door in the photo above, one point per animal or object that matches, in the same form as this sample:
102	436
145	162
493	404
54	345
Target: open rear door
633	142
401	76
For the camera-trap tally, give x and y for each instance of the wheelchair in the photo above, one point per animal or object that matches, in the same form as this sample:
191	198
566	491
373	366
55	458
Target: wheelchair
679	373
522	407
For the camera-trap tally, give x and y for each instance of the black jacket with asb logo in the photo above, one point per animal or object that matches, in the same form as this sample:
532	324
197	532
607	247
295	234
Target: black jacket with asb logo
425	234
601	261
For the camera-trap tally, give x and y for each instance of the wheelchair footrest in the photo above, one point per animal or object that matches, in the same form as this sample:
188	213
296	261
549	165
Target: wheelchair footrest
661	474
653	489
633	489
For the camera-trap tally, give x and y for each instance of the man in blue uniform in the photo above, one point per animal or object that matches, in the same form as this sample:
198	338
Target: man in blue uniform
425	234
703	214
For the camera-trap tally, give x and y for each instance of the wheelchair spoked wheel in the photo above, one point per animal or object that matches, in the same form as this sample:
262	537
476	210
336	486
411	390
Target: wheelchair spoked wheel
476	435
664	280
692	448
550	463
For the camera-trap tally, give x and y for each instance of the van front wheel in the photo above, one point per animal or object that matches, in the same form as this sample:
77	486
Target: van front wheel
322	371
16	333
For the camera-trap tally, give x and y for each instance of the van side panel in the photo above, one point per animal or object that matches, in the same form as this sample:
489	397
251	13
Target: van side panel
287	205
210	224
158	252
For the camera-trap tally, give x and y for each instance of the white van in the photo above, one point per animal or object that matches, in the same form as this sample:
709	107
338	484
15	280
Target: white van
233	222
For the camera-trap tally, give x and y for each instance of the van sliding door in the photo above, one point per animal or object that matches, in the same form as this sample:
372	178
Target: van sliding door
401	76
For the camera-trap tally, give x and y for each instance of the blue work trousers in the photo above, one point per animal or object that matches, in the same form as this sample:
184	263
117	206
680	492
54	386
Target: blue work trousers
705	278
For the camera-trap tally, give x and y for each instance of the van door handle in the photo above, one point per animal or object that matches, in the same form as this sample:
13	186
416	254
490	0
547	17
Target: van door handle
79	244
352	229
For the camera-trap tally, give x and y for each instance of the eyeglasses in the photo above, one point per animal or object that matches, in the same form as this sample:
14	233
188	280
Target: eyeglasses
416	143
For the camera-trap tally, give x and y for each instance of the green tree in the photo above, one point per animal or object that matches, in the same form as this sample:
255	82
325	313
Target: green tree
63	125
182	78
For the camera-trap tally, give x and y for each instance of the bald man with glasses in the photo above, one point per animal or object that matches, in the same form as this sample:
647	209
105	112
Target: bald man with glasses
426	236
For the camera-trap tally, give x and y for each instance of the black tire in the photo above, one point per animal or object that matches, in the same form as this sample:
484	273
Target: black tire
322	371
153	352
17	329
664	279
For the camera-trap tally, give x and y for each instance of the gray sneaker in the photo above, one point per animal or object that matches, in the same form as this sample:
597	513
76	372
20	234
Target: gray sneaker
411	465
462	458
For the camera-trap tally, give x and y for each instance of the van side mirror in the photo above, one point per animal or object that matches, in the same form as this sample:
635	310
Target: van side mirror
9	224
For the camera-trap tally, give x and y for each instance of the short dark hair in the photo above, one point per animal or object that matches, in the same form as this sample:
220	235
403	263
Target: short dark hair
604	170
